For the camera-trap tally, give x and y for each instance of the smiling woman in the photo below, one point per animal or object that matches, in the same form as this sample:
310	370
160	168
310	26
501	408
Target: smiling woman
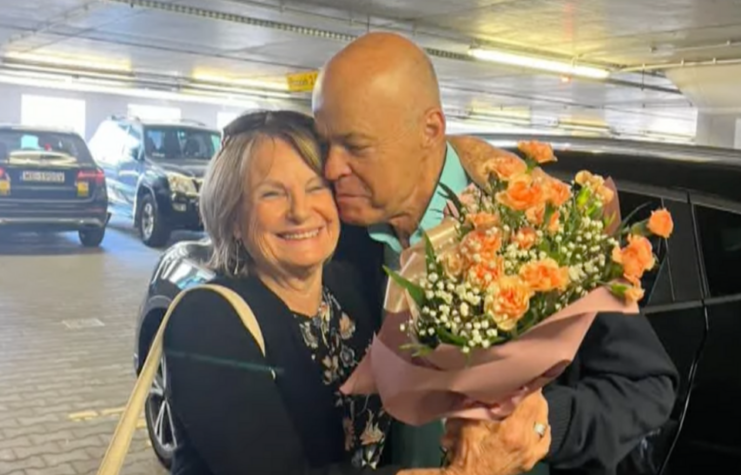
274	226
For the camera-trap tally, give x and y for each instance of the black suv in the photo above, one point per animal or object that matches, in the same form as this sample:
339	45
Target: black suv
693	301
49	182
154	172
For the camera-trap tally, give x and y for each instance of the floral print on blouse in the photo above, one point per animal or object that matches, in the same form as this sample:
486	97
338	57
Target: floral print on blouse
330	336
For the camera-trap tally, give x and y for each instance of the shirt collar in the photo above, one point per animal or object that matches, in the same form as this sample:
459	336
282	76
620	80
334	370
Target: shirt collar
454	177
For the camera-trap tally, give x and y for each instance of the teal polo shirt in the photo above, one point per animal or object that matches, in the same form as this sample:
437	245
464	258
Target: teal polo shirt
419	447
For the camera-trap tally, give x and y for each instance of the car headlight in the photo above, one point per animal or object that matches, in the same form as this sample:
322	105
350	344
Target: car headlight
181	184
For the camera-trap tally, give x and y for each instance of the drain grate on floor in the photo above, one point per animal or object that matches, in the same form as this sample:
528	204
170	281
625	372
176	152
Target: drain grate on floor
82	323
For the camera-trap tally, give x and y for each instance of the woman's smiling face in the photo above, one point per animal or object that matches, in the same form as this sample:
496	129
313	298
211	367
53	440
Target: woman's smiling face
290	220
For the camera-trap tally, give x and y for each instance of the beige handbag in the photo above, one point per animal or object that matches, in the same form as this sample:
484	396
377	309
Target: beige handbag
118	448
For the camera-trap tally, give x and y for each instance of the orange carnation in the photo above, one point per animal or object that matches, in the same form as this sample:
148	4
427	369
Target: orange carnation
522	193
508	301
536	215
660	223
482	221
636	258
482	243
505	166
558	192
538	151
634	294
453	264
595	183
525	238
486	272
545	275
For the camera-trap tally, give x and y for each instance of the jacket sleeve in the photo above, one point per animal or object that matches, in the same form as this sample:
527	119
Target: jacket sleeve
625	387
224	398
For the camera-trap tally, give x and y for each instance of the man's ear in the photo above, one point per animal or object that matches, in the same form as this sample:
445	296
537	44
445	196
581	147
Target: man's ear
434	127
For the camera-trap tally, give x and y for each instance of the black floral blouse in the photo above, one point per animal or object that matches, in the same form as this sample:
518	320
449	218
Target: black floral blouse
330	336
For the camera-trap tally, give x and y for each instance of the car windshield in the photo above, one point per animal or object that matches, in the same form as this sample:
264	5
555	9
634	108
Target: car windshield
172	142
42	144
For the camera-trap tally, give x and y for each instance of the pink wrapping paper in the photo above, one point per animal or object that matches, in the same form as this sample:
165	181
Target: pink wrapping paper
443	384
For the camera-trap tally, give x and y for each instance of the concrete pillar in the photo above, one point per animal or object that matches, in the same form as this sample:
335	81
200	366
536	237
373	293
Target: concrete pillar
718	130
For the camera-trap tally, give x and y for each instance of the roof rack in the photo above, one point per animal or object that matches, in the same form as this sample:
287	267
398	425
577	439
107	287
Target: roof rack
192	121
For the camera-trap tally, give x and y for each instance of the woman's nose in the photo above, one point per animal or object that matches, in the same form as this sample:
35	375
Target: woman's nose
299	209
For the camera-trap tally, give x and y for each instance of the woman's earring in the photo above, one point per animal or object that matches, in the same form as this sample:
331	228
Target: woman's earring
236	256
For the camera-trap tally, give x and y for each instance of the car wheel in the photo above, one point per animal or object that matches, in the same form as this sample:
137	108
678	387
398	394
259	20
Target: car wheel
91	237
152	229
158	415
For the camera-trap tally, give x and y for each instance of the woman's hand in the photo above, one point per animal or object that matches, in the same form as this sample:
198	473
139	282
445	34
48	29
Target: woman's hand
508	447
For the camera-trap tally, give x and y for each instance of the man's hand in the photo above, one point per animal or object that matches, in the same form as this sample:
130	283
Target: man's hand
509	447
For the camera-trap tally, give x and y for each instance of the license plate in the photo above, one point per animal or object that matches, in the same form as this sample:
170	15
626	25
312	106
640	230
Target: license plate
83	189
43	177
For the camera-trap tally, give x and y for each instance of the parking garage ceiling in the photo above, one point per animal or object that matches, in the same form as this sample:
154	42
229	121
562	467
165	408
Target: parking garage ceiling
247	47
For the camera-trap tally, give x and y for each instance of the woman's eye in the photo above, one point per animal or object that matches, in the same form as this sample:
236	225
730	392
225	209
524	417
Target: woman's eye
321	187
270	194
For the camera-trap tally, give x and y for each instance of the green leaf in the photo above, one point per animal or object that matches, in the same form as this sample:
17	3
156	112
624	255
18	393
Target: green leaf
448	337
430	256
453	197
415	291
627	219
609	219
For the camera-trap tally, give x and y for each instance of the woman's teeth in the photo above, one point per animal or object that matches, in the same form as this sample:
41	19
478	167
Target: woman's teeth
299	236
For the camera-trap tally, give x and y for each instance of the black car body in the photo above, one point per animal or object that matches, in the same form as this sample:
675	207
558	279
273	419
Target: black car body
693	301
49	182
154	172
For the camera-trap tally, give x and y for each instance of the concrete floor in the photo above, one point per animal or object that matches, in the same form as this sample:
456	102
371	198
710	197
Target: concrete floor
67	322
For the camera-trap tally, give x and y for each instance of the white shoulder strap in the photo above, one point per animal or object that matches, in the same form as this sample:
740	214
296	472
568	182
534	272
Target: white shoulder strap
119	446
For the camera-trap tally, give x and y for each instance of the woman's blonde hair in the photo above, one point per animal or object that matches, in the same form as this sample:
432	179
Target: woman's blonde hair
222	193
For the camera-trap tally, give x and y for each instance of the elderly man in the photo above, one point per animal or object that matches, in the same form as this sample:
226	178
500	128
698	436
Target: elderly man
378	104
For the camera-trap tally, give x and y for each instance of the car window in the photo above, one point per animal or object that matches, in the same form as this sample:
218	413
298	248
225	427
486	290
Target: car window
17	143
174	142
720	240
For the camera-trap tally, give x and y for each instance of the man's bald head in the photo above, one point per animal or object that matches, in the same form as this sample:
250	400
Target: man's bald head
378	103
387	60
384	66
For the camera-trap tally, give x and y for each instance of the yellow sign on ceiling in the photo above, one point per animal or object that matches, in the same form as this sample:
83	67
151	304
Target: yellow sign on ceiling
302	82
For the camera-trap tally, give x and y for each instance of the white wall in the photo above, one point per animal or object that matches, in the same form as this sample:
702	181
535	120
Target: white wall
99	106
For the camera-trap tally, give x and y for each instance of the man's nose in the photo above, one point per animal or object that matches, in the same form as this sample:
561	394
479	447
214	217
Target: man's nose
336	165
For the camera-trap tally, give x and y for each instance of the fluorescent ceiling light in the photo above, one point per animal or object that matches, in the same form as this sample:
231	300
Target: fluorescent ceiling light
71	61
31	68
249	82
122	89
532	62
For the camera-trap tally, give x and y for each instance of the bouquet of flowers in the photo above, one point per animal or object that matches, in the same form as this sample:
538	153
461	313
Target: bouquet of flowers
496	300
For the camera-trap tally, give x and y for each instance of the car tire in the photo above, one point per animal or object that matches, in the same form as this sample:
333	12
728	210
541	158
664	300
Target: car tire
91	237
158	416
152	229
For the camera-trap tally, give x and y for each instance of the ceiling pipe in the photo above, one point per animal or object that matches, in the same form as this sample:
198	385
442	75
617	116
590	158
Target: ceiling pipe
680	64
662	49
